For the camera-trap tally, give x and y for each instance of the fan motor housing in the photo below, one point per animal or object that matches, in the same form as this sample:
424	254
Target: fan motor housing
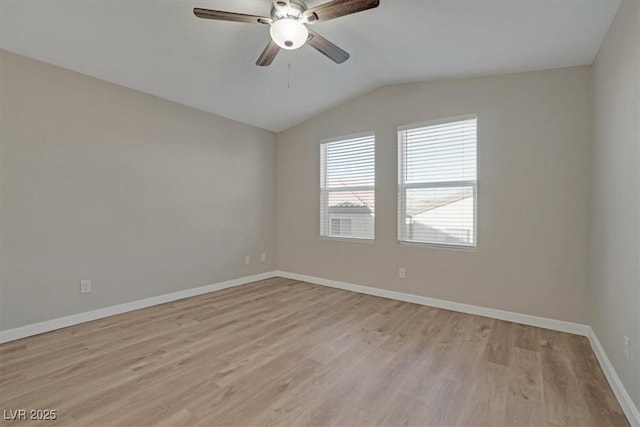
279	9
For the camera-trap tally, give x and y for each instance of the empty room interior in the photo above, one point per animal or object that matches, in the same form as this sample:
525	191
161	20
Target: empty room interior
320	212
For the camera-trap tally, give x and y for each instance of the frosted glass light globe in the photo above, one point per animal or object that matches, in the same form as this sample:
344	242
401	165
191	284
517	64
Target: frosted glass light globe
289	33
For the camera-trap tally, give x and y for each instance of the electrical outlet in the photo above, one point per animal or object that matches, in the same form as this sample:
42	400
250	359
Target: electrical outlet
85	286
247	259
402	273
263	257
627	349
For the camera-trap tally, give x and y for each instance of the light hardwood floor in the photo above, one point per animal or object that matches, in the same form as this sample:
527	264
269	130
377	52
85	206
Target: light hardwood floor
280	352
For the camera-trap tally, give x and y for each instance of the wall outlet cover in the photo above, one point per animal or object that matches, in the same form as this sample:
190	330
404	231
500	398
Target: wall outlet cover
627	348
85	286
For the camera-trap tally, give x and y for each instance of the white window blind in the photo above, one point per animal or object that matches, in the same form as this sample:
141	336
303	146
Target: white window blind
347	187
437	182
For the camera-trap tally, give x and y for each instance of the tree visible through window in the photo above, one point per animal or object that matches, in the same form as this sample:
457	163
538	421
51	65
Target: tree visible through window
437	183
347	187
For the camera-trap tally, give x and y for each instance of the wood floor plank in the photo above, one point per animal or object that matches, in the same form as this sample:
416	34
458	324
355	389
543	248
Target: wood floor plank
591	382
344	395
526	337
525	397
525	379
501	342
563	402
280	352
520	412
486	394
404	411
295	402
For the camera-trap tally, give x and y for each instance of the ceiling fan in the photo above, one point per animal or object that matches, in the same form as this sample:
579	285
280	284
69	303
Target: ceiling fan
288	22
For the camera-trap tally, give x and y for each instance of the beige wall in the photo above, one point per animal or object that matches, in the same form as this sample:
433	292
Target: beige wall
614	293
140	195
534	140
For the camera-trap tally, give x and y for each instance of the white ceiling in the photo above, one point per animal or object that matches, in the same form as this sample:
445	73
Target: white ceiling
159	47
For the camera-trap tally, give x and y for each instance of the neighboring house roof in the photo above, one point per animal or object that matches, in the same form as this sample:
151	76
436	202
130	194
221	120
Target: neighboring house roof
350	207
418	206
415	206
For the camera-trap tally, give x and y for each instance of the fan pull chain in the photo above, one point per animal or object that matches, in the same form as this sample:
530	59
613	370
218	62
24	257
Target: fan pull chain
289	76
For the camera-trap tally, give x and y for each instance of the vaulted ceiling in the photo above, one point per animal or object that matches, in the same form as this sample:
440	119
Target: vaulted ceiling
159	47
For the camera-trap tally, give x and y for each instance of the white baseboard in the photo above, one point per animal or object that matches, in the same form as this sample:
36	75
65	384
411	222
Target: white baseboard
74	319
629	408
525	319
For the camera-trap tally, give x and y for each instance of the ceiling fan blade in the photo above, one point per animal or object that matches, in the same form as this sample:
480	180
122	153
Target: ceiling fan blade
230	16
337	8
327	48
268	54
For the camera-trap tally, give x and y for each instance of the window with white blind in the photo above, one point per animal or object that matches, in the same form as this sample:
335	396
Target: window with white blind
437	184
347	187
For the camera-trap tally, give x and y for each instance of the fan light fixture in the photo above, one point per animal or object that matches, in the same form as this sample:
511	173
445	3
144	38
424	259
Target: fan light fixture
289	33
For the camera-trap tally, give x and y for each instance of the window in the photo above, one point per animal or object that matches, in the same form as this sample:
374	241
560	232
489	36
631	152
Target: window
437	182
347	187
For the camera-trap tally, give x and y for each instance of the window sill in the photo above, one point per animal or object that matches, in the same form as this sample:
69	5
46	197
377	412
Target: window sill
439	246
347	239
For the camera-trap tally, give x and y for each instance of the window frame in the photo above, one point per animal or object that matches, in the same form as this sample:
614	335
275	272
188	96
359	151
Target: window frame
324	192
402	187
